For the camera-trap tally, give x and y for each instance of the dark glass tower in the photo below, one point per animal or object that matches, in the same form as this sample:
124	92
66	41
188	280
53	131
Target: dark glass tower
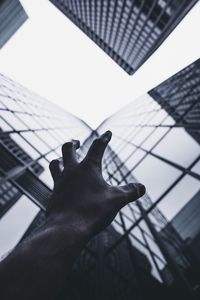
179	96
129	31
151	250
12	16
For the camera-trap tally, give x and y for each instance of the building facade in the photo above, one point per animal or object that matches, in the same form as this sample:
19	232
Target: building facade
129	31
156	139
32	131
12	16
179	96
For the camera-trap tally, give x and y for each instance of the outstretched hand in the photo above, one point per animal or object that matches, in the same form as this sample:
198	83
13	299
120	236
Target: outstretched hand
82	205
81	197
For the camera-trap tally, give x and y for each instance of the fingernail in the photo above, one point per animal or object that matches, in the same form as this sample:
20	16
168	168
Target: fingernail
108	132
76	143
107	136
141	189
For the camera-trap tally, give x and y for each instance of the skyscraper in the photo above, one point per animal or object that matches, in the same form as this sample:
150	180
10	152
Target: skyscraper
12	16
129	31
179	96
145	253
32	131
156	139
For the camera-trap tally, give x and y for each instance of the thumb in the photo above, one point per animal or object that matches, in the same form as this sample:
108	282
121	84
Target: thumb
131	192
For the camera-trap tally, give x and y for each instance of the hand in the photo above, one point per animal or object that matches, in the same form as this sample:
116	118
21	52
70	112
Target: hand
81	197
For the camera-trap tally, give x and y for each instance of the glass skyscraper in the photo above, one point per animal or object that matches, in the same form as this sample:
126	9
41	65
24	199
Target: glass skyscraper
151	250
179	96
32	131
12	16
129	31
156	141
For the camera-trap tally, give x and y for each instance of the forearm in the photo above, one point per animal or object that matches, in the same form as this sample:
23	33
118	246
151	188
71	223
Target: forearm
38	267
83	204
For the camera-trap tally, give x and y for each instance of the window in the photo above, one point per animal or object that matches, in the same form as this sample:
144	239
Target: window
4	126
45	176
13	120
196	168
134	159
179	196
13	226
24	145
179	147
36	142
156	175
154	138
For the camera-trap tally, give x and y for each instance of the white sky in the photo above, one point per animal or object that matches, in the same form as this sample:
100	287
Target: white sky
54	58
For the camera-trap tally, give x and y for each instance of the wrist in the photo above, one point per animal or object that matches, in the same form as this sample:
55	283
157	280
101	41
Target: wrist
69	226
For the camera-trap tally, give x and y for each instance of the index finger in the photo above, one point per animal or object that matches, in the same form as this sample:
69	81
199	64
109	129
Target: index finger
96	150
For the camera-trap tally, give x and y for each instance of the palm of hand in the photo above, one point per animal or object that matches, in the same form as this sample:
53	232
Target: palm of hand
81	195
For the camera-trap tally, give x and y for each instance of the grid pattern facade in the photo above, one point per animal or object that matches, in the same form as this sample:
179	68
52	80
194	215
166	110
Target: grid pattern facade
179	96
12	16
32	131
151	146
129	31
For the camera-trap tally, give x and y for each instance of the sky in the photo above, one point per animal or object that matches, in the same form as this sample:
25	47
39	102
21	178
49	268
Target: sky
55	59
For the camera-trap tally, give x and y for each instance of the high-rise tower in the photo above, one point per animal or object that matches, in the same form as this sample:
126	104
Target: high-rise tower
12	16
129	31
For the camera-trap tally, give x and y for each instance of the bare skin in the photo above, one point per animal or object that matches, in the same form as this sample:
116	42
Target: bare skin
83	204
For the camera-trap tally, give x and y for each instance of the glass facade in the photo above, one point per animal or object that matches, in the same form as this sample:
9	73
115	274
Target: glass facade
179	96
12	16
32	131
151	250
129	31
156	142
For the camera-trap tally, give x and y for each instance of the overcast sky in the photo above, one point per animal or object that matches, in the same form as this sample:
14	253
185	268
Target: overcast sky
52	57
